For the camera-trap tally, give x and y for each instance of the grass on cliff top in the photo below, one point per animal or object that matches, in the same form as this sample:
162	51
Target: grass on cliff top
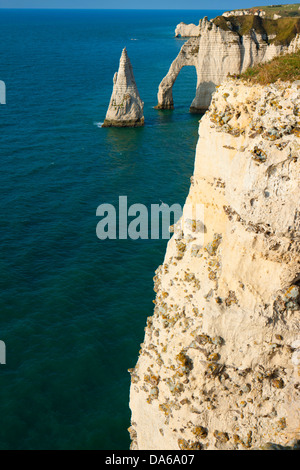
284	67
291	9
280	31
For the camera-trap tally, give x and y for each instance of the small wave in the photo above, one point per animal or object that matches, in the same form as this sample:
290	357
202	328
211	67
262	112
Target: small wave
98	124
133	39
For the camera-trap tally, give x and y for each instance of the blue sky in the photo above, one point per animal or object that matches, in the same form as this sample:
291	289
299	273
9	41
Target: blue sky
138	4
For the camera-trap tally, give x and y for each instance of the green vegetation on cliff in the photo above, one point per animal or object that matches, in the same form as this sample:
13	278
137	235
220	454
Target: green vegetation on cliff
280	31
282	10
292	9
284	67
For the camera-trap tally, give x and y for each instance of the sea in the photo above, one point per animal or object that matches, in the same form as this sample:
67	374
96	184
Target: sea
73	308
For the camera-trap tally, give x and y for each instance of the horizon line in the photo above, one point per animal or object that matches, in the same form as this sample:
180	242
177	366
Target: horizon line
111	9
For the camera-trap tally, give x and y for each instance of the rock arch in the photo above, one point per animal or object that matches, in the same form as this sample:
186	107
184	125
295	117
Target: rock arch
187	57
217	51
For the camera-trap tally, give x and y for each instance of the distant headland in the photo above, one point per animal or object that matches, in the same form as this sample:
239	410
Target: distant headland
230	44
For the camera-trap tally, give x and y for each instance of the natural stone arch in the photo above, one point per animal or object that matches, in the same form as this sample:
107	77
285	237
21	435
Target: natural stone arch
220	50
184	89
186	57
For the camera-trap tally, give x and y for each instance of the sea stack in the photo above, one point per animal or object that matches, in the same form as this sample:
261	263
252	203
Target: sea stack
125	107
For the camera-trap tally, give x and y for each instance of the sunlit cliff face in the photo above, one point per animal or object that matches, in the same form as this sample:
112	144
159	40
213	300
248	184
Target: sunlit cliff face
219	365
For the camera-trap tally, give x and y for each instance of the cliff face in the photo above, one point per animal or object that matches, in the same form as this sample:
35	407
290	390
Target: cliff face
219	51
220	364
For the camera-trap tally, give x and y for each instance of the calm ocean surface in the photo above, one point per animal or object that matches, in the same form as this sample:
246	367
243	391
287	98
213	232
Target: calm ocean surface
73	308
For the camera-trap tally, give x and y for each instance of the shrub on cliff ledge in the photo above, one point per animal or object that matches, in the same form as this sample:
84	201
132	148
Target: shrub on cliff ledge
284	67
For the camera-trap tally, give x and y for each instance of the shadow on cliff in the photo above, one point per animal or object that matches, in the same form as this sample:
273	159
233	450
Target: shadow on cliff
202	100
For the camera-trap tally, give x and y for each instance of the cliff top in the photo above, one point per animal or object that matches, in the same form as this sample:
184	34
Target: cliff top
282	10
267	11
284	68
278	31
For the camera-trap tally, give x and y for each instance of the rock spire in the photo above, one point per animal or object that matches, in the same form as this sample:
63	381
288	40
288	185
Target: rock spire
125	107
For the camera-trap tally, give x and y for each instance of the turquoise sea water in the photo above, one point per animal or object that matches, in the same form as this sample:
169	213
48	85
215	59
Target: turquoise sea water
74	308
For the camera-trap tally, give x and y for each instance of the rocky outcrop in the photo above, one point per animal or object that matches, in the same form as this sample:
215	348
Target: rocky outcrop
187	30
125	107
255	12
219	367
218	51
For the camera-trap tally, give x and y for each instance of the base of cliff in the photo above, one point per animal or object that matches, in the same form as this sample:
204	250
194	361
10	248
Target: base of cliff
164	106
194	110
131	123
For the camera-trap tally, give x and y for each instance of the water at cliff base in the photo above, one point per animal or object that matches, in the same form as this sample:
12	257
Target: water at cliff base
74	308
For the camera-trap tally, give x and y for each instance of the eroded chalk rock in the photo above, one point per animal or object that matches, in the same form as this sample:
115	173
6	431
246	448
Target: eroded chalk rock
219	366
187	30
125	107
218	48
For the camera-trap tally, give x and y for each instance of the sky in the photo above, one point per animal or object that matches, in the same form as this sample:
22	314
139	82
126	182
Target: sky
138	4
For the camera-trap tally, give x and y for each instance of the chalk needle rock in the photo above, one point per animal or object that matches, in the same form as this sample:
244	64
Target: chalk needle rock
125	107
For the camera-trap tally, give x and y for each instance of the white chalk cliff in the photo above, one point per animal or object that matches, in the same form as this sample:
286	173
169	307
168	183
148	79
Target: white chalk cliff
219	367
215	53
244	12
125	107
187	30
